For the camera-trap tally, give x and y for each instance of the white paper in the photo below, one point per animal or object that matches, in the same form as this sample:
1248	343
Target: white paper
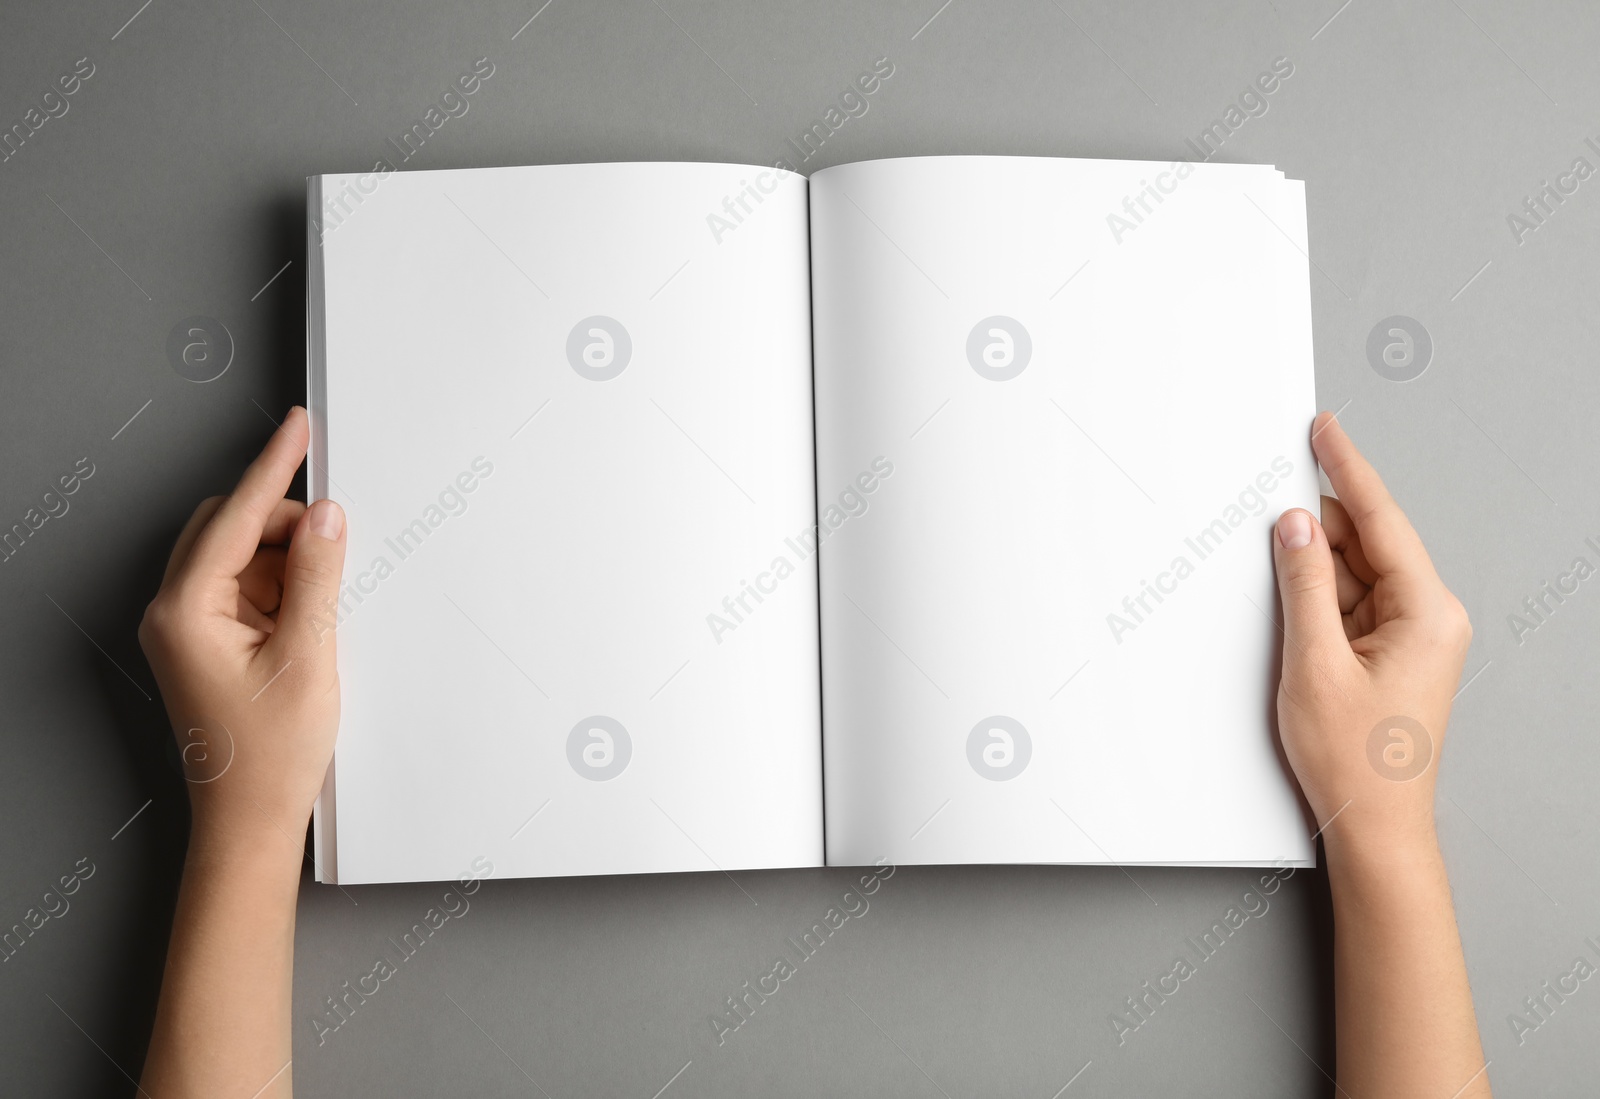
578	577
1170	369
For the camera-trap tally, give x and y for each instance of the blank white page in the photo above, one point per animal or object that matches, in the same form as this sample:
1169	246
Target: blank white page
1069	404
533	679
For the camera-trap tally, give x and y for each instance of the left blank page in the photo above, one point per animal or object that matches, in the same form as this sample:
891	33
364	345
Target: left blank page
567	421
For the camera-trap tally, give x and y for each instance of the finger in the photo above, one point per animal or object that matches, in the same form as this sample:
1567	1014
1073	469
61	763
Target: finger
191	530
1346	543
311	577
1351	588
229	541
1361	619
280	525
1388	542
1312	626
253	618
276	532
261	582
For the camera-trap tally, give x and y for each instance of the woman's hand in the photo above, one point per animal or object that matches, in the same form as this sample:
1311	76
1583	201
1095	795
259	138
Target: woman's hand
1374	644
240	637
241	640
1373	647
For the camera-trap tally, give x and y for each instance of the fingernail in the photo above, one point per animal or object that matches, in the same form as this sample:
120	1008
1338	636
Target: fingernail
327	520
1294	530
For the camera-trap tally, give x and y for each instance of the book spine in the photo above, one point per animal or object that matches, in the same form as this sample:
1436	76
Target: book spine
324	842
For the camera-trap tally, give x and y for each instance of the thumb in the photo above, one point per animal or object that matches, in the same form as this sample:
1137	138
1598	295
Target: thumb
311	577
1311	621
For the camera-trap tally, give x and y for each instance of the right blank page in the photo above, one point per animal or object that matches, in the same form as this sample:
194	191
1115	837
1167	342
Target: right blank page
1059	405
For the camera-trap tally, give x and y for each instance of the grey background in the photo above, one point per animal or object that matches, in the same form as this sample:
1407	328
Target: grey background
174	187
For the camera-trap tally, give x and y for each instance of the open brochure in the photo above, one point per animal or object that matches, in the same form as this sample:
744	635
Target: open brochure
704	516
